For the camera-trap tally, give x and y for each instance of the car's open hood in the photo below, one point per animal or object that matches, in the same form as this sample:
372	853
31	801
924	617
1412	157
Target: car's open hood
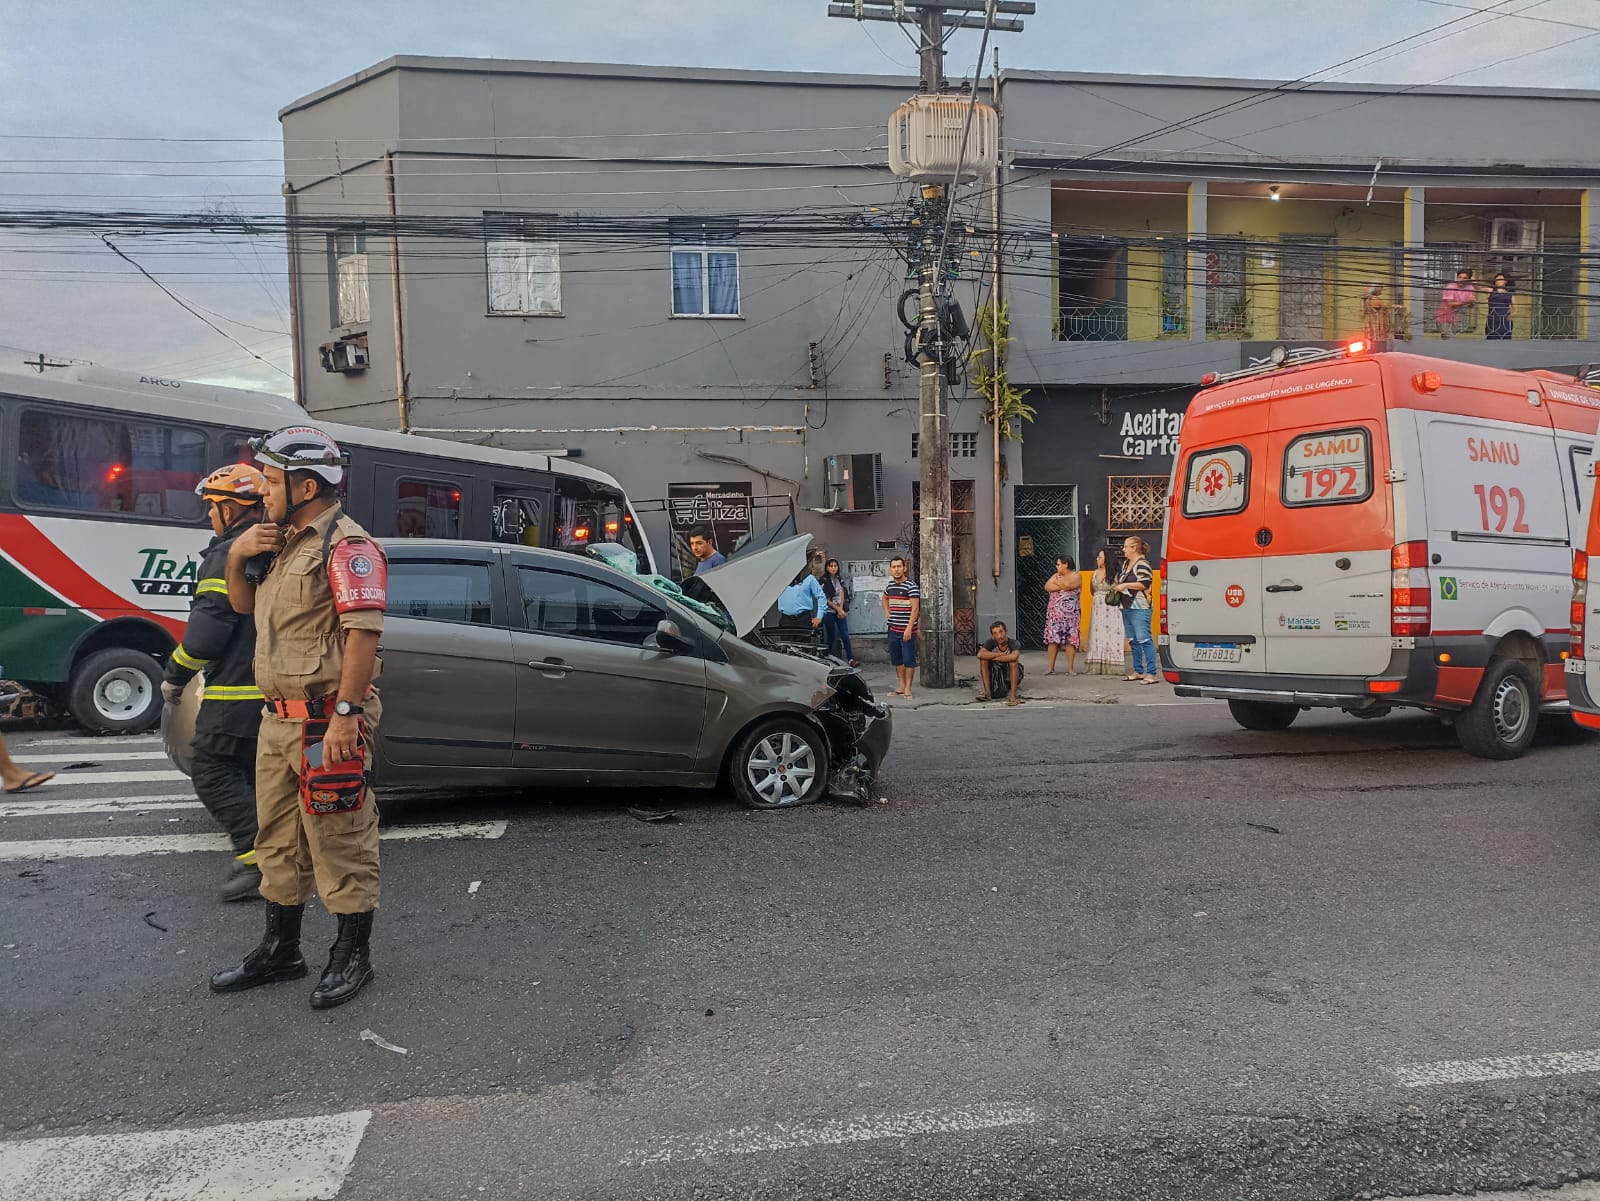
748	585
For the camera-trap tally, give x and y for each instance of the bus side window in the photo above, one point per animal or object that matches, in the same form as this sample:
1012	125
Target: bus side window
108	466
518	520
427	509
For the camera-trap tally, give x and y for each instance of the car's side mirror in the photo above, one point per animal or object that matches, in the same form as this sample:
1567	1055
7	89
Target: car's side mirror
669	638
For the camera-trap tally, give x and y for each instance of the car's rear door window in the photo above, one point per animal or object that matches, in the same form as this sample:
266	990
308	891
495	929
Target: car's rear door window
441	590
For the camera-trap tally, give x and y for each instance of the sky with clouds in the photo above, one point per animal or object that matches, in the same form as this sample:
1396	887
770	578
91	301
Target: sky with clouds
107	105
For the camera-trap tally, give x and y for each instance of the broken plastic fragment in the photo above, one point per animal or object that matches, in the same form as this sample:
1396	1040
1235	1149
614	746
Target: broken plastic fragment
377	1040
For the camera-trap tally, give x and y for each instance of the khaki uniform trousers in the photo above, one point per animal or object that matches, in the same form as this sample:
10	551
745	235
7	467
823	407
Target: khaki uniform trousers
333	854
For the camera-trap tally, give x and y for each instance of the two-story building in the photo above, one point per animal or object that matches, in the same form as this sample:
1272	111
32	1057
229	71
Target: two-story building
689	277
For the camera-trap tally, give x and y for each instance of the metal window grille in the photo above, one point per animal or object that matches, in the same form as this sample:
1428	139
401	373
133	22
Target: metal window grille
1135	502
1227	297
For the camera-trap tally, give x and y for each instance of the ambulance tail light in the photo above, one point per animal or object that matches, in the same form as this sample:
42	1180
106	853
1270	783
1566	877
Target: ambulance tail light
1161	601
1580	599
1411	603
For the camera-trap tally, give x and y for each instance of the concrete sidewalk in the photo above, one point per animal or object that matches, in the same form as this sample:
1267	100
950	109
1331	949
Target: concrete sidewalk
1036	685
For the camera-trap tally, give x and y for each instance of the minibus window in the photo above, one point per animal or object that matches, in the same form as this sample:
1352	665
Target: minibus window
103	466
1217	482
1330	467
427	509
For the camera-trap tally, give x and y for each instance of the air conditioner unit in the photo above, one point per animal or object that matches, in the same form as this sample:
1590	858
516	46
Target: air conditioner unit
854	483
1515	236
346	356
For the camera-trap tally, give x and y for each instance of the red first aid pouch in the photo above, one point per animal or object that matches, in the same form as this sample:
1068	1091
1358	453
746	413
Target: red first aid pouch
329	787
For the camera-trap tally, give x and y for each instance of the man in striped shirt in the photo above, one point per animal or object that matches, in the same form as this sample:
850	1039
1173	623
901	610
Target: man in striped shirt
902	606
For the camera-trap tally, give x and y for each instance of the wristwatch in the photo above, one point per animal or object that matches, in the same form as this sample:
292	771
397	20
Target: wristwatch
346	709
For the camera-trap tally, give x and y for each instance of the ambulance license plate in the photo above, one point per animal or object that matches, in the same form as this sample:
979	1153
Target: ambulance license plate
1216	652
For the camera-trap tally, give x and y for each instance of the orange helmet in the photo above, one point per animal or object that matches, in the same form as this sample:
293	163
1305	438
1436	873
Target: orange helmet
237	482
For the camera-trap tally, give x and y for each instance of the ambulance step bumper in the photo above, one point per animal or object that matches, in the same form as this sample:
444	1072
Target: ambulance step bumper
1269	696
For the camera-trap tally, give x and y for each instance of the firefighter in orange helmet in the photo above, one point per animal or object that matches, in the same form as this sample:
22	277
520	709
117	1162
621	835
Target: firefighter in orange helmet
222	643
316	583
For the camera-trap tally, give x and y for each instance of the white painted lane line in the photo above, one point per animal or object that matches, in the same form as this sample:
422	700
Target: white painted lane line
297	1159
1571	1192
1503	1067
1173	704
789	1136
174	844
110	777
97	757
107	805
147	742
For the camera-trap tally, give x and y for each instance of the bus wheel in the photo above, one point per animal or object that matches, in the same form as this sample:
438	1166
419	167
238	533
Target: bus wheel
116	691
1504	717
1263	715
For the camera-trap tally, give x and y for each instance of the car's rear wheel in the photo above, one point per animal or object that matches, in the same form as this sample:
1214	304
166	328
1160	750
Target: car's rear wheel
778	764
1504	717
1263	715
116	691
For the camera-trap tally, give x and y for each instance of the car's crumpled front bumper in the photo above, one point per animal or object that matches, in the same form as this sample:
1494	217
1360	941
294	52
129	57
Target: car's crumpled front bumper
859	731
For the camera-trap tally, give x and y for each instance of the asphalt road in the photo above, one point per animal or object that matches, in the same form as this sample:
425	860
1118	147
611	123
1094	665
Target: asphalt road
1083	951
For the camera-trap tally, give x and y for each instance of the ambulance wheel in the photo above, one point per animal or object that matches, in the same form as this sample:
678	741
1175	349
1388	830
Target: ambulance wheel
1504	717
116	691
1261	715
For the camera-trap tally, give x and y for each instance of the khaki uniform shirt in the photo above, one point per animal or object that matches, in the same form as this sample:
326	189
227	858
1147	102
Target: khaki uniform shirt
299	633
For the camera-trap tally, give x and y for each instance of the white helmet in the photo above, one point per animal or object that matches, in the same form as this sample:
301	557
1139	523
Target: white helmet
302	448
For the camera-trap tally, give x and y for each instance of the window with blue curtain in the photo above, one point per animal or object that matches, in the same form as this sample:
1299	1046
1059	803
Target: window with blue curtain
705	267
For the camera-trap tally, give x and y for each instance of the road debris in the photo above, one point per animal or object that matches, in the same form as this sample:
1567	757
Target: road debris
377	1040
473	887
654	816
154	925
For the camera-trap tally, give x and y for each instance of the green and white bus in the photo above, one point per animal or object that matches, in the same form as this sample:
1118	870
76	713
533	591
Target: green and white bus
101	532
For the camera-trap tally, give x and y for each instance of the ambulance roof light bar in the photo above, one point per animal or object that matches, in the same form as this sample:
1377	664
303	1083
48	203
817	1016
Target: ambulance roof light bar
1280	357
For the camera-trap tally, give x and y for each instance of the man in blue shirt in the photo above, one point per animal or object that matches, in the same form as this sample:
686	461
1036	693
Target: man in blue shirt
705	550
804	596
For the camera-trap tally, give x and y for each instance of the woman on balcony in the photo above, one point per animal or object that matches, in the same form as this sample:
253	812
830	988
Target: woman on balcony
1375	316
1498	325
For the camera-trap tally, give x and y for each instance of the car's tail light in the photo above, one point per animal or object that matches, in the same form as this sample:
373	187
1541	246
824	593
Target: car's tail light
1411	605
1580	599
1161	600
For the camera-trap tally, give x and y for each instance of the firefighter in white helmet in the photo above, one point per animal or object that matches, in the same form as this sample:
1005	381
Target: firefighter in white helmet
319	613
222	642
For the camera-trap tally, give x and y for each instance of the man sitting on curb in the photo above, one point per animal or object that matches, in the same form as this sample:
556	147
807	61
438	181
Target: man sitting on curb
999	667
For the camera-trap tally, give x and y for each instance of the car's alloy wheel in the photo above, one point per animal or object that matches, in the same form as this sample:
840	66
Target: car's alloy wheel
780	768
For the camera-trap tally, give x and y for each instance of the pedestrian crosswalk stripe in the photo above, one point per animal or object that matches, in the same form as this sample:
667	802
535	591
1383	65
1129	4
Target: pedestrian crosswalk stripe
172	844
293	1159
113	777
95	805
96	757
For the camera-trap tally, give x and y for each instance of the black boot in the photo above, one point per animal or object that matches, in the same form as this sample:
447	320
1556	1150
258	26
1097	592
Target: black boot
349	967
276	957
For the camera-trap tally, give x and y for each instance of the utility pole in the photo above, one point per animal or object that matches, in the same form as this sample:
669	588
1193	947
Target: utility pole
937	638
937	633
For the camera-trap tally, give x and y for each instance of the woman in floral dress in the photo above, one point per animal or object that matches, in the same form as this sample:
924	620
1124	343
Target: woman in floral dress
1063	616
1107	654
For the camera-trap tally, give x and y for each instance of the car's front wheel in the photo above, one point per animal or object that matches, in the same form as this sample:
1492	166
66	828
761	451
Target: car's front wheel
779	763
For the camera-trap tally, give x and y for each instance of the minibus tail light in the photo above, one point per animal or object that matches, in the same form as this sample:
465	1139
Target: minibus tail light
1580	599
1411	603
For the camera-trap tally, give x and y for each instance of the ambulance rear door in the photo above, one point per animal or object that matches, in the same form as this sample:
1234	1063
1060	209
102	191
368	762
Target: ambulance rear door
1213	580
1328	567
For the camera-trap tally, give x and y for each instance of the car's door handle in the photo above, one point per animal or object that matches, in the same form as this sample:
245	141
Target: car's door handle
550	667
1284	588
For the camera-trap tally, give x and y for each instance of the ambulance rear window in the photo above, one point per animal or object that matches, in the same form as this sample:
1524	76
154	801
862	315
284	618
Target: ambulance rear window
1217	482
1329	467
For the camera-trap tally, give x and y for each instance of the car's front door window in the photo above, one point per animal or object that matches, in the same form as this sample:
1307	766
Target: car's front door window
574	606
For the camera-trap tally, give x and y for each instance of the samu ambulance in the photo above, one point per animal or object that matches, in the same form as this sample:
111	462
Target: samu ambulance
1361	531
1583	666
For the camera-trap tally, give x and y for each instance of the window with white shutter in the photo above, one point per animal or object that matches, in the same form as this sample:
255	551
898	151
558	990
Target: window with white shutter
351	303
522	262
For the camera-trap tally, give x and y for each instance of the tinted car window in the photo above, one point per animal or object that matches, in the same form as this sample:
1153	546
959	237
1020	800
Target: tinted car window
572	606
440	591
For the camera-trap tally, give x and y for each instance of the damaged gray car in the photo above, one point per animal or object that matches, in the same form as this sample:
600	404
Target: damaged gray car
507	668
